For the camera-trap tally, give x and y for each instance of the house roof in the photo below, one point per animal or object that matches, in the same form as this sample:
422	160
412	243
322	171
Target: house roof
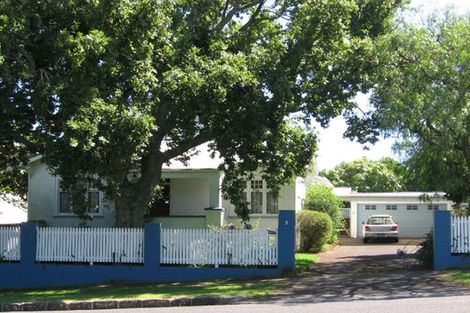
346	193
200	160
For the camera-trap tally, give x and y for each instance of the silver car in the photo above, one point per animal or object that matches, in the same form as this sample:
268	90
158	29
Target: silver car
380	226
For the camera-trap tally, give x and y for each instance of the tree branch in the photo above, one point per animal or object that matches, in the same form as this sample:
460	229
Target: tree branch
237	7
185	146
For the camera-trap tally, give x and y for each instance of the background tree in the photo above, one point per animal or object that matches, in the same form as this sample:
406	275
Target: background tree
321	198
422	94
365	175
108	88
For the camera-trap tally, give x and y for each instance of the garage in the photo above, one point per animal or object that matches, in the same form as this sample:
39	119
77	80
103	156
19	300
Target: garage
414	216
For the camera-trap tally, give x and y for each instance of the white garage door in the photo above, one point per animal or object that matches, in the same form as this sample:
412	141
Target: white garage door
414	220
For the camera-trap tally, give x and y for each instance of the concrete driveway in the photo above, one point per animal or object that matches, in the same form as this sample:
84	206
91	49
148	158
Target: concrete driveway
356	271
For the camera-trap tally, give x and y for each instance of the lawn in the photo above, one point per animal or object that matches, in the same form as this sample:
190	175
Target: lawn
132	291
459	276
128	291
304	260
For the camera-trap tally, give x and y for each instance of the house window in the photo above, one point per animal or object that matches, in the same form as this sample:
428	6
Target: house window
412	207
391	207
261	198
370	207
92	198
433	207
272	205
64	203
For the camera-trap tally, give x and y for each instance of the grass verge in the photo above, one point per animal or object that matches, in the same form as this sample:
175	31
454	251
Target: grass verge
128	291
459	277
304	260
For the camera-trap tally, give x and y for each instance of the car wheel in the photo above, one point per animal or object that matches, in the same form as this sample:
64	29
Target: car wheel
365	240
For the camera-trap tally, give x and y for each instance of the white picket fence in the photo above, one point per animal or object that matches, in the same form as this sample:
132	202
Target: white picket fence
460	234
213	247
90	245
10	243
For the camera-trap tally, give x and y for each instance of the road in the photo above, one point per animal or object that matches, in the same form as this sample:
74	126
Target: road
415	305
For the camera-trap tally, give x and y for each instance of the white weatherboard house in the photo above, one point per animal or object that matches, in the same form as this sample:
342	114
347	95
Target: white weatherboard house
189	190
414	216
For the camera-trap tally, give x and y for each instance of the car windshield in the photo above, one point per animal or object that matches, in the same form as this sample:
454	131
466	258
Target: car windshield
380	221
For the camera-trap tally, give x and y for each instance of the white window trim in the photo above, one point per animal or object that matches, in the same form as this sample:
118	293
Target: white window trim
71	214
264	191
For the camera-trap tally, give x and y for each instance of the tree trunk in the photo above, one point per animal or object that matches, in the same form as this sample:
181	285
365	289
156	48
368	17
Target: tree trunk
132	203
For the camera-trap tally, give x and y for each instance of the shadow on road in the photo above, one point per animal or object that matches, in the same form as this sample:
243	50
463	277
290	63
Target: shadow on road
348	274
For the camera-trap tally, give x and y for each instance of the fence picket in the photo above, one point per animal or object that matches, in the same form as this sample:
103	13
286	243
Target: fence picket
10	243
97	245
218	247
460	234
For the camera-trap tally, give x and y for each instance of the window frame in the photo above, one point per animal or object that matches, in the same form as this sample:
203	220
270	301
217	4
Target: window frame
70	212
370	207
412	207
264	190
433	207
391	207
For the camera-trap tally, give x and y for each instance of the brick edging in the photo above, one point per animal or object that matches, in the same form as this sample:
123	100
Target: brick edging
116	304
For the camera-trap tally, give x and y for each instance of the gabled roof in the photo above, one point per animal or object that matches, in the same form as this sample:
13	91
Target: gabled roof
201	160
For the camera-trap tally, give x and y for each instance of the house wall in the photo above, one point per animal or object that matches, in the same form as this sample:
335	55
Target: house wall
288	200
188	196
43	201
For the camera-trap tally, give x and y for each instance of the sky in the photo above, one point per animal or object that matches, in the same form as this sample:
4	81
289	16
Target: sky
333	148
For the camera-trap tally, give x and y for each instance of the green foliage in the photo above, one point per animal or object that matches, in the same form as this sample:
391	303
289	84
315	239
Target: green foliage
425	254
315	230
422	96
365	175
321	198
304	261
107	88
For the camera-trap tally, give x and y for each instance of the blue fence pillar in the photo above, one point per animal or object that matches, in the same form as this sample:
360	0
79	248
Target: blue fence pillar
286	240
441	240
152	248
28	239
443	257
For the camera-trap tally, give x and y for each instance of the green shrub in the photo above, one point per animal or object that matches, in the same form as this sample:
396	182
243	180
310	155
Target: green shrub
315	229
425	254
321	198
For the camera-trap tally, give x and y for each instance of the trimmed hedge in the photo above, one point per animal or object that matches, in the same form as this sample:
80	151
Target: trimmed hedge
315	229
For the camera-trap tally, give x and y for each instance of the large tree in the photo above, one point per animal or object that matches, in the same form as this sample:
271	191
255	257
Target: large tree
106	88
423	95
368	175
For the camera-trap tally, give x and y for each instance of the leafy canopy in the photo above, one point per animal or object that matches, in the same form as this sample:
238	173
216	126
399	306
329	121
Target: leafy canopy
105	88
422	94
365	175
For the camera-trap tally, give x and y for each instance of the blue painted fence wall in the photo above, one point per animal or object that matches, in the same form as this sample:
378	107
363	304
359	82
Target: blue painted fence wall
30	274
443	258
